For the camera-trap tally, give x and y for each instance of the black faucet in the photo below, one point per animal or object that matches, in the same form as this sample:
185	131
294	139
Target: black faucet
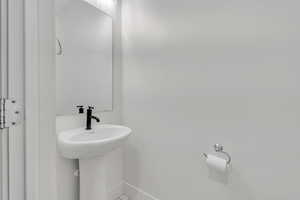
89	117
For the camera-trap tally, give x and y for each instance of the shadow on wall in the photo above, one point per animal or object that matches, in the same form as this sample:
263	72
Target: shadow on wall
234	182
134	158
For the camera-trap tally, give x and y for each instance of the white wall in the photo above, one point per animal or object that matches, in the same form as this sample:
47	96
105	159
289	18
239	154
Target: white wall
67	184
200	72
46	99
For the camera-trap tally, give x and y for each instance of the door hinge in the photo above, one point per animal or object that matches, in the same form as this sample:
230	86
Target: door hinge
10	113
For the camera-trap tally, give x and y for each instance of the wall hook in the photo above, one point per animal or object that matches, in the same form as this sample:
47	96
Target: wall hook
60	51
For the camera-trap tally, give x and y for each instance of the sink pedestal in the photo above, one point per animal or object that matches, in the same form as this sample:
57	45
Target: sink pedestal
93	179
91	147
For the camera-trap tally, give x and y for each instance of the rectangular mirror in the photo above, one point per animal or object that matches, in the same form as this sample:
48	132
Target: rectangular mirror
84	57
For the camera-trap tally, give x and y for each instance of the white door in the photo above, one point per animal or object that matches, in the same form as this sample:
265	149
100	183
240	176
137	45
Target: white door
12	149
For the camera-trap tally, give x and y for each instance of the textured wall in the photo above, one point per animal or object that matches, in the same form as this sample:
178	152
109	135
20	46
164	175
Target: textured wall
201	72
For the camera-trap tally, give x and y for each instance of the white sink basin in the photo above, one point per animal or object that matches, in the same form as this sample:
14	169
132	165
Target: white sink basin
87	144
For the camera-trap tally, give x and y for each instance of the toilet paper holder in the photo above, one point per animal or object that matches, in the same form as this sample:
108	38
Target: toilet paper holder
220	149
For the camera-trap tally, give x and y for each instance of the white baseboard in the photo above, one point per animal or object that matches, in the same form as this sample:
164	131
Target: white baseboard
116	192
135	193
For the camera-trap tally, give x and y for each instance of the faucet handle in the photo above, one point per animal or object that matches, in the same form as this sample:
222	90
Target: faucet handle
80	109
91	107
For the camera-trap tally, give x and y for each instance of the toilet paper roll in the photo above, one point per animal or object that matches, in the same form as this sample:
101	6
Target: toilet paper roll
216	163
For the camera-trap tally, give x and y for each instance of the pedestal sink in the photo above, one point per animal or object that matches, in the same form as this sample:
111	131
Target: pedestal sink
89	146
